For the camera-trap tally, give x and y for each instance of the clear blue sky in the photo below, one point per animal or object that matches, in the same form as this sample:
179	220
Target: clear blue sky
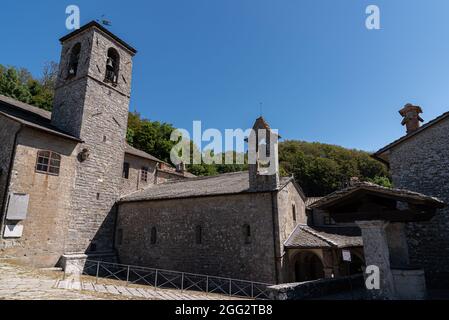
321	75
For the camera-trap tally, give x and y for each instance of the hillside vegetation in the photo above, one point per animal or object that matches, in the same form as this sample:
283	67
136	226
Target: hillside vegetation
319	168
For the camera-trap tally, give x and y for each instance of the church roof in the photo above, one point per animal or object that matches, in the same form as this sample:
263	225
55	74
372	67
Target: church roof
382	154
311	237
224	184
311	200
40	119
30	116
367	187
139	153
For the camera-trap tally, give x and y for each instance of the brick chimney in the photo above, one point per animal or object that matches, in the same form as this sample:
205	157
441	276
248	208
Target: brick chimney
412	120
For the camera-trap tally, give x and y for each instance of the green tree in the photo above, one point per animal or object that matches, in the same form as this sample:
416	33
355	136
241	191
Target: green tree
19	84
152	137
11	85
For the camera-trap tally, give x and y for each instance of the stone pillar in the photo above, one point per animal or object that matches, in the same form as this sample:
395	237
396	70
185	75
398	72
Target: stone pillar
397	243
376	252
73	264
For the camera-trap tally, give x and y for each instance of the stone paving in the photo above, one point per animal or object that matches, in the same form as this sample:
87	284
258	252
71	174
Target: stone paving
21	283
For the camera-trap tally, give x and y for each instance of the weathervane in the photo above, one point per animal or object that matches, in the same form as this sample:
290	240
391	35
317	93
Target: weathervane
104	21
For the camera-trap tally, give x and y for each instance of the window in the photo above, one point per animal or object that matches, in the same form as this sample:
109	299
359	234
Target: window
294	212
327	220
112	66
74	61
199	234
247	233
144	174
153	236
48	162
125	170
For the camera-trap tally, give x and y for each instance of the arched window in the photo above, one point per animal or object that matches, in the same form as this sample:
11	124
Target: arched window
74	61
294	212
199	234
247	233
112	66
48	162
153	235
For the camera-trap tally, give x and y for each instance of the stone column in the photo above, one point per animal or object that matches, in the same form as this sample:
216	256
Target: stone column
328	264
375	246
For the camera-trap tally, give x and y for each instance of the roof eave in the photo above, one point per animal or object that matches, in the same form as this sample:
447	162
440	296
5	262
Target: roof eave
94	24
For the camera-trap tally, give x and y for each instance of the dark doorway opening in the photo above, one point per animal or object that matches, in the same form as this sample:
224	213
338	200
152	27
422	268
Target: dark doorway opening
308	267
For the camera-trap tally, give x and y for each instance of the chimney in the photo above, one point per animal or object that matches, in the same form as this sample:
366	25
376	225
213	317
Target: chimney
181	168
411	120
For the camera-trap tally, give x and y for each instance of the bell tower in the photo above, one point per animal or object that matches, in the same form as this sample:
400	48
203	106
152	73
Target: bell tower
91	102
263	157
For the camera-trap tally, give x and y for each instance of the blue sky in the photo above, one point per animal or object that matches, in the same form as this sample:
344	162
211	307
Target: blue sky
321	75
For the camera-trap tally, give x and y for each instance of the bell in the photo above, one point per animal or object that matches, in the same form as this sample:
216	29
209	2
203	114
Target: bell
110	63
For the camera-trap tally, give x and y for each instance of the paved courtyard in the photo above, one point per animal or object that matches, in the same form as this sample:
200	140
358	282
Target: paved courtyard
21	283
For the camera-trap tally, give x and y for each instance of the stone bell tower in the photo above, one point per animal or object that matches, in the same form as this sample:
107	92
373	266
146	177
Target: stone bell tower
91	102
263	157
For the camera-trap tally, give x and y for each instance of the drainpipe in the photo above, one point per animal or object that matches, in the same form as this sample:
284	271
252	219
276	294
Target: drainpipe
8	180
274	211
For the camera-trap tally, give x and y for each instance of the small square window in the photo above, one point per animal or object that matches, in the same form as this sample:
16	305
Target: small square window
144	174
48	162
327	220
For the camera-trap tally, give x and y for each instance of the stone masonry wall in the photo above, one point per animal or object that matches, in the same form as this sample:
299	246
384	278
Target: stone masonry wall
223	251
45	227
134	182
8	129
422	164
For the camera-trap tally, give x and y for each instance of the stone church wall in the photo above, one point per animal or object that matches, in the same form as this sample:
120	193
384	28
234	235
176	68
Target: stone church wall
422	164
286	198
223	251
45	226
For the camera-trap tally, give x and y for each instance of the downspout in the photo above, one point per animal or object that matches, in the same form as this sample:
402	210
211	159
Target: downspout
274	212
8	179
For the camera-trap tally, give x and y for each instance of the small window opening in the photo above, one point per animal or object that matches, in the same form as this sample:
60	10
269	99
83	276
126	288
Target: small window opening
74	61
199	234
125	170
247	233
112	66
144	174
153	237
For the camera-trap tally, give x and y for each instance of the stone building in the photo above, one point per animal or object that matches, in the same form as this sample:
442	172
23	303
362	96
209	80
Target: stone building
419	161
71	186
61	173
247	225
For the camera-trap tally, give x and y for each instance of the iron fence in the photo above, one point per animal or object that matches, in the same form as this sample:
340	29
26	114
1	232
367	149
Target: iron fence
166	279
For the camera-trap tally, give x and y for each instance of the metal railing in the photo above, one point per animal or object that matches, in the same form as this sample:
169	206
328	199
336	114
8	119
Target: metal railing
166	279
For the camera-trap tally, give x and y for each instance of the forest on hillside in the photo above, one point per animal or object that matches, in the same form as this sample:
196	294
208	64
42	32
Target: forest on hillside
319	168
